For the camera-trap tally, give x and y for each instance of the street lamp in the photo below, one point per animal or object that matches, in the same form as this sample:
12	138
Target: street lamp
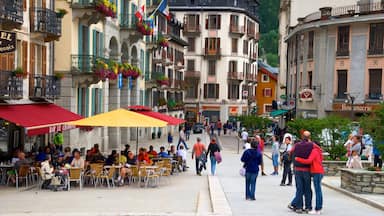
350	99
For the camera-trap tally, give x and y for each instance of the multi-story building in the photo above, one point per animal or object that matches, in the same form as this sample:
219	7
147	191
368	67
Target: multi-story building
28	30
221	57
266	88
335	60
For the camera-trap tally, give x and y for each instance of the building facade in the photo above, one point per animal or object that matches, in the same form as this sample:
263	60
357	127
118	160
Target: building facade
221	57
28	30
266	88
335	61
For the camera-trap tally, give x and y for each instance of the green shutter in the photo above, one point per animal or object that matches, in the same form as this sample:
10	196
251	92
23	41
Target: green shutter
100	100
101	51
86	102
80	39
94	38
79	97
141	97
93	101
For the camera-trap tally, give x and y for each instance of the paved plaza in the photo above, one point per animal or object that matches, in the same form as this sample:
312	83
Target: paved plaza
186	194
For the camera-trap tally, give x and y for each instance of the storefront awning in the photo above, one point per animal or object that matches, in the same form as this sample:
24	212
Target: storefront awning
169	119
39	118
279	112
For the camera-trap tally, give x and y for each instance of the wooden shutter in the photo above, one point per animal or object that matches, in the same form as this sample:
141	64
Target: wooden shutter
206	45
94	38
3	62
44	4
79	100
44	60
218	44
219	21
31	68
93	102
32	4
24	5
205	90
24	60
217	86
11	61
206	23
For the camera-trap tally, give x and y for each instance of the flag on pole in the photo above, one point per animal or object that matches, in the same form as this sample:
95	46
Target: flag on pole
163	8
140	13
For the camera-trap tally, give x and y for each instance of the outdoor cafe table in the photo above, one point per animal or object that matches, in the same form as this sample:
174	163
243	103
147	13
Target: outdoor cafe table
3	172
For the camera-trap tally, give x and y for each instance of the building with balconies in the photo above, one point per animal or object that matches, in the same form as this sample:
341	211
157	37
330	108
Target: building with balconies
28	30
220	73
335	61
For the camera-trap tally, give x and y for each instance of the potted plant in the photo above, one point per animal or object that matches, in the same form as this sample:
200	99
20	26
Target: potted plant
162	102
101	69
20	73
144	28
163	42
163	81
59	76
60	13
107	8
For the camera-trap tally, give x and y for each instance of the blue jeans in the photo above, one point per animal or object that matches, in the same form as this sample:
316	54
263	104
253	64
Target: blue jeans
319	194
303	187
250	185
213	165
184	143
275	160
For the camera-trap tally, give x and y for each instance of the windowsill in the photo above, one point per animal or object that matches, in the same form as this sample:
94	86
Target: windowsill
339	100
375	55
373	101
342	57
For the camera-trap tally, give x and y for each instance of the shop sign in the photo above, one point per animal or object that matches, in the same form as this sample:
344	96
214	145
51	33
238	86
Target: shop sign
356	107
7	42
233	110
58	128
306	95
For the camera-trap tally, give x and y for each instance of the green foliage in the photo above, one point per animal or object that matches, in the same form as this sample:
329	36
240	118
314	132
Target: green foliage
374	126
272	59
269	15
297	126
252	122
336	152
269	41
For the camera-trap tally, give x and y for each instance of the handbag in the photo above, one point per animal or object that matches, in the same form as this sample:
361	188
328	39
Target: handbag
218	157
242	171
55	181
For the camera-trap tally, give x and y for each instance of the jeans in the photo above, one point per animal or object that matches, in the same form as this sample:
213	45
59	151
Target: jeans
213	165
250	185
198	167
287	171
275	160
319	194
184	143
303	187
377	161
219	131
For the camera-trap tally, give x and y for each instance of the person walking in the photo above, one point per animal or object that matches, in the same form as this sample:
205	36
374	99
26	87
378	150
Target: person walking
261	148
252	160
244	136
213	147
275	155
315	160
286	161
219	126
198	151
302	175
182	139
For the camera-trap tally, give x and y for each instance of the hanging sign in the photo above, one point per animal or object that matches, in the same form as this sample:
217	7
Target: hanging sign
306	95
7	42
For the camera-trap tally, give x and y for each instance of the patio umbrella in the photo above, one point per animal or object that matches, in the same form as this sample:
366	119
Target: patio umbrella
120	118
160	116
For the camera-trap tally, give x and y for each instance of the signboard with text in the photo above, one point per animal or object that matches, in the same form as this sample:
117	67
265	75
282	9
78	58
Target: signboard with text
7	42
306	95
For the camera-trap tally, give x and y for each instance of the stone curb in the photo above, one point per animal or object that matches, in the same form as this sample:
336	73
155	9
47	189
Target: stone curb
355	196
220	205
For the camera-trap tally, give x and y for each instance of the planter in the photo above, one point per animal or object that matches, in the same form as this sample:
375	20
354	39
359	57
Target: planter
362	181
332	168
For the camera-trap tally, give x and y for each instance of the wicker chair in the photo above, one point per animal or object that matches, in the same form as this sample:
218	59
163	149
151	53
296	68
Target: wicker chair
75	175
108	176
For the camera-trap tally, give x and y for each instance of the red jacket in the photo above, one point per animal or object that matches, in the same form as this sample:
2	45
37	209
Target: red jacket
315	159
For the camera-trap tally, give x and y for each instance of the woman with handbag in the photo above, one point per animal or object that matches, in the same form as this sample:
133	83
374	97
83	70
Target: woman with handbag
214	155
252	160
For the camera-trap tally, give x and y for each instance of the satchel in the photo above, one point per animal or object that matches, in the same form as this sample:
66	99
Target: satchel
218	157
242	171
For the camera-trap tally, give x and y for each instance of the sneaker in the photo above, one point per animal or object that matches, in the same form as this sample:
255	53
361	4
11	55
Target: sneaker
299	211
289	184
263	174
282	184
291	207
315	212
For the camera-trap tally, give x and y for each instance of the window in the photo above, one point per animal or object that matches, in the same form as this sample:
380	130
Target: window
267	92
191	45
375	84
234	45
193	22
343	41
311	36
213	22
233	91
234	20
310	79
190	65
268	108
376	39
245	47
232	66
192	91
264	78
212	68
211	90
342	83
97	101
82	102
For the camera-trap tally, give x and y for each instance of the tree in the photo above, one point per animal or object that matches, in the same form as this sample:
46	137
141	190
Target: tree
374	125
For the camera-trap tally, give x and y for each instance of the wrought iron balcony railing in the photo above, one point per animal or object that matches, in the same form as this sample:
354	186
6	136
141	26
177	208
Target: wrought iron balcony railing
235	76
83	63
192	74
128	21
376	51
47	86
45	21
83	4
191	29
11	87
342	52
236	29
11	11
212	53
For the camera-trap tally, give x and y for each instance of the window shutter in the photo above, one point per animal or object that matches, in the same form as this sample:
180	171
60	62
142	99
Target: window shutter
32	4
80	45
264	93
218	44
11	61
206	45
217	90
44	4
79	100
31	68
24	5
206	23
24	60
205	90
93	102
101	54
44	60
219	22
197	20
94	45
86	102
100	100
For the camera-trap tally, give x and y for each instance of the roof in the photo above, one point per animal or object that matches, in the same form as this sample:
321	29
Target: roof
268	70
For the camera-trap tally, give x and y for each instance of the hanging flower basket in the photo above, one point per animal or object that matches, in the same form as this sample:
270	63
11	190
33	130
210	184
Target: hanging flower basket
144	28
20	73
163	42
59	76
102	69
107	8
60	13
163	81
130	71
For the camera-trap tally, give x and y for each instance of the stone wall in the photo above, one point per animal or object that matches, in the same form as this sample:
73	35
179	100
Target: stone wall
362	181
332	168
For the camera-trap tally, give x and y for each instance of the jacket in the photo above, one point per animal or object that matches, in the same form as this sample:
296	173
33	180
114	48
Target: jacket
212	148
315	160
46	170
252	160
302	149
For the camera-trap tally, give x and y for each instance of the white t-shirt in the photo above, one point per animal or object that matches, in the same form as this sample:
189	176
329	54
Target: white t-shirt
244	135
182	154
247	145
182	135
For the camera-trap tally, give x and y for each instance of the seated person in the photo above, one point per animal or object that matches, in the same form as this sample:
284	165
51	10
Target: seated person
67	155
121	159
59	162
46	172
143	156
112	158
162	153
152	153
131	160
20	161
77	161
182	153
126	150
172	151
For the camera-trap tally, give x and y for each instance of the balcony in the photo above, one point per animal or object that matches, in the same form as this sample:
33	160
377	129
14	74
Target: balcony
45	87
253	57
152	5
11	14
375	51
83	64
45	23
251	33
191	29
11	87
236	30
342	53
251	77
91	10
236	76
192	74
212	53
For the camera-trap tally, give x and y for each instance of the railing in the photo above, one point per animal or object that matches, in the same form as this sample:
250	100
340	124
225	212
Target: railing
342	52
83	63
11	87
191	28
195	74
44	20
235	75
83	4
46	87
212	53
375	96
376	51
11	11
236	29
128	21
